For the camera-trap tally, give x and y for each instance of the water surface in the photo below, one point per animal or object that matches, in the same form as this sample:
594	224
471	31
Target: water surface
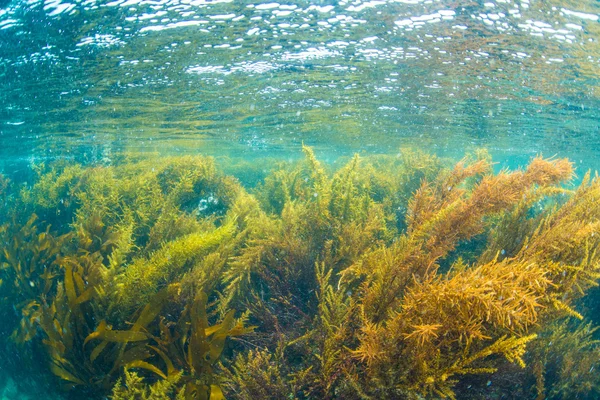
90	78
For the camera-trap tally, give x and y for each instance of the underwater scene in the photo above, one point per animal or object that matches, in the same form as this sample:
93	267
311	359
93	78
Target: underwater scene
385	199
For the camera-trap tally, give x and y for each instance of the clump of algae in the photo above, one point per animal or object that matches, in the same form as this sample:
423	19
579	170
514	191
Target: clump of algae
391	277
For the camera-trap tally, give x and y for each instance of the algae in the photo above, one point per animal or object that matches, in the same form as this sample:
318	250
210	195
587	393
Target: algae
403	276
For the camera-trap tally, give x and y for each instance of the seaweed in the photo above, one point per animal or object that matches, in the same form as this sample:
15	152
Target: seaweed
399	276
134	388
564	361
191	347
143	277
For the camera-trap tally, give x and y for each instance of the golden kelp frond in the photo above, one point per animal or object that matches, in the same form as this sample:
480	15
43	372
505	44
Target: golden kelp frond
54	189
566	241
105	333
391	180
440	220
192	347
144	277
152	197
445	324
384	274
317	176
334	330
439	217
566	358
442	191
67	298
134	388
374	345
344	192
63	324
93	235
29	261
563	234
550	171
510	231
258	375
60	343
439	381
501	296
68	327
258	245
120	353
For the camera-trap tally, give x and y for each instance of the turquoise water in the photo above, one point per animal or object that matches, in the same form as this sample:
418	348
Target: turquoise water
88	80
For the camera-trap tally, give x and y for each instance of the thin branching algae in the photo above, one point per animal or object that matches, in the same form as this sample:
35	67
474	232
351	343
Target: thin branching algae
400	277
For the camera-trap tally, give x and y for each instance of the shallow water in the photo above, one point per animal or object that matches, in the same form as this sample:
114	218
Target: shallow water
91	78
251	82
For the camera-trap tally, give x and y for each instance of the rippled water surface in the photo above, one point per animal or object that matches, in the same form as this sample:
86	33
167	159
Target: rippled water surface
89	78
86	80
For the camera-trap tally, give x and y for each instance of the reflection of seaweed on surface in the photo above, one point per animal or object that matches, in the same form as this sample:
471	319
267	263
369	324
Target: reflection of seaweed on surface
363	282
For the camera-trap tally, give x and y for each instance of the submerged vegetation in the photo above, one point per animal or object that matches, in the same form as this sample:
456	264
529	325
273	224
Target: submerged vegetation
399	277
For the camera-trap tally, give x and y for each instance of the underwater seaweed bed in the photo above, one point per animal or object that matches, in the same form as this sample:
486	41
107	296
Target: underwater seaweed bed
401	277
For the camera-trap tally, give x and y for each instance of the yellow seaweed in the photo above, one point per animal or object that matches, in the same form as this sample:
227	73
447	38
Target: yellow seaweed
393	276
103	332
